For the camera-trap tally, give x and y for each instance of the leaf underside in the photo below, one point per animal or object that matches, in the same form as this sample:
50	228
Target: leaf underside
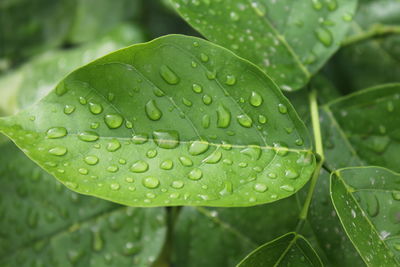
290	249
367	201
176	121
289	40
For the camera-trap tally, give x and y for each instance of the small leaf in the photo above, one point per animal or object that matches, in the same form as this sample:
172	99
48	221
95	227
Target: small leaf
289	40
148	139
290	249
367	201
42	222
363	128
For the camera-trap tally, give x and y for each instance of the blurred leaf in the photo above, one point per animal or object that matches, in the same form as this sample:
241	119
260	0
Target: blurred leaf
366	200
44	224
32	81
290	249
363	128
289	40
223	236
176	121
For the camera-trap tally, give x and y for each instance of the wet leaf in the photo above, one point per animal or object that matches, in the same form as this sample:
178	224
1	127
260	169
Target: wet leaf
289	40
366	200
362	128
290	249
44	224
176	121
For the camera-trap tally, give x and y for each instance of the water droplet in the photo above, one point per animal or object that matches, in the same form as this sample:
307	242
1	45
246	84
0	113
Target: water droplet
244	120
61	89
151	182
139	166
197	88
112	168
196	44
332	5
82	100
56	132
152	111
113	145
262	119
168	75
347	17
234	16
211	75
227	189
177	184
372	205
287	188
259	9
139	139
213	158
83	171
98	242
281	149
272	175
299	141
95	108
324	36
396	195
115	186
186	161
203	57
129	179
198	147
110	97
205	121
207	99
195	174
282	108
254	152
291	174
167	164
230	80
317	5
259	187
151	153
113	121
88	136
58	151
194	64
91	160
68	109
255	99
94	125
187	102
223	117
71	185
166	139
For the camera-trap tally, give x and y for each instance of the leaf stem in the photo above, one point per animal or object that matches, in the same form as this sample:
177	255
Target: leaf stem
376	30
320	156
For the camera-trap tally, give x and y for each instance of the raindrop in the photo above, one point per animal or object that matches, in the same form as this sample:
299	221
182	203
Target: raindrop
244	120
58	151
61	89
56	132
177	184
91	160
95	108
205	121
113	121
207	99
347	17
166	139
113	145
324	36
195	174
203	57
255	99
259	187
151	153
68	109
227	189
82	100
282	108
259	9
187	102
83	171
139	166
287	188
317	5
234	16
198	147
186	161
88	136
168	75
197	88
223	117
112	168
115	186
213	158
262	119
291	174
167	164
152	111
230	80
151	182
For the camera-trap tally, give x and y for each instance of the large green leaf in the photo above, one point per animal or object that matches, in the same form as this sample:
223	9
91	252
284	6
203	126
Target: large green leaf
232	232
367	201
290	249
289	40
44	224
363	128
33	80
176	121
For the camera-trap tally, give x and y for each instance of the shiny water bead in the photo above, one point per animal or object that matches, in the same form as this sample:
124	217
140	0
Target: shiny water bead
56	132
88	136
68	109
186	161
262	119
82	100
91	160
113	145
168	75
255	99
83	171
197	88
230	80
195	174
204	57
166	139
291	174
152	111
112	168
207	99
58	151
324	36
205	121
177	184
151	153
282	108
259	8
259	187
213	158
94	125
115	186
198	147
139	166
151	182
287	188
244	120
234	16
167	164
129	179
113	121
187	102
95	108
140	139
223	117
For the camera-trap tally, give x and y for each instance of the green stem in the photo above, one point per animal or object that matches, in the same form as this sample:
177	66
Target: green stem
320	156
376	30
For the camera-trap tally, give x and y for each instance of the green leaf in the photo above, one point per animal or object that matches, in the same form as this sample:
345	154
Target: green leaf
290	249
289	40
176	121
362	128
44	224
33	80
232	232
366	200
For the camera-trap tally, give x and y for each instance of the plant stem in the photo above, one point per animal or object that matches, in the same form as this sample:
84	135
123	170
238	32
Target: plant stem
320	156
376	30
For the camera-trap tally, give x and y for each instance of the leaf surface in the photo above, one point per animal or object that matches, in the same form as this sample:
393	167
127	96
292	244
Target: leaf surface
176	121
289	40
363	128
42	223
367	201
290	249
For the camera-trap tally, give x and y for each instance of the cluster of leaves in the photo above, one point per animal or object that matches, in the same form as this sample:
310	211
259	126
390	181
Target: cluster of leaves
218	131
